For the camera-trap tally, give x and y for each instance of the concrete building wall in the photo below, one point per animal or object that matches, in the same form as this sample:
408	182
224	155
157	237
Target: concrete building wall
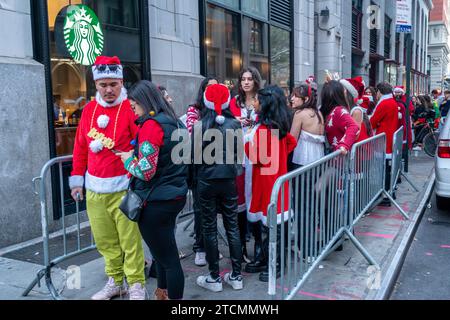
304	35
24	144
175	49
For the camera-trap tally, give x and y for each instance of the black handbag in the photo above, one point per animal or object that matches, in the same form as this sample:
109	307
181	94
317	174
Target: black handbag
132	204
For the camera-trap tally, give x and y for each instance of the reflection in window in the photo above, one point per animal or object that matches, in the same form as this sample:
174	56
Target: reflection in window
258	8
255	46
230	3
222	43
280	57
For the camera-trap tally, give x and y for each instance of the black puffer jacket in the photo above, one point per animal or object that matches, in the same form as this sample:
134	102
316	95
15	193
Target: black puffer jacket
203	168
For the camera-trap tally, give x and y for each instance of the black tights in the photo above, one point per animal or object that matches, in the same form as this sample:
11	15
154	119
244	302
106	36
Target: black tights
157	226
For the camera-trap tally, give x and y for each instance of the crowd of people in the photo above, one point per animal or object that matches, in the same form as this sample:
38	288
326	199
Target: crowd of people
116	150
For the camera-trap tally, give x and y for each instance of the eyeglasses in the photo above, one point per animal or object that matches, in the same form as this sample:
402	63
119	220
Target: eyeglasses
110	67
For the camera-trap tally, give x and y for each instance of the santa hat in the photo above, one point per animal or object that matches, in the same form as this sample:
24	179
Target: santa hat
355	86
311	80
399	89
217	97
365	102
107	68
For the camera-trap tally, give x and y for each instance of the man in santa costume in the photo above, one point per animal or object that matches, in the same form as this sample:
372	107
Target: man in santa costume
385	120
107	127
400	97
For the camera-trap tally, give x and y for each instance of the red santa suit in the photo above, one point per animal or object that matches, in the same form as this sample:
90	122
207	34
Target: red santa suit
102	128
267	168
385	120
341	130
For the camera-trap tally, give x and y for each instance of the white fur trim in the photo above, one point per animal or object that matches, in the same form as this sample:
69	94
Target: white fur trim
123	96
259	216
107	74
103	121
350	88
76	182
357	108
210	105
106	185
96	146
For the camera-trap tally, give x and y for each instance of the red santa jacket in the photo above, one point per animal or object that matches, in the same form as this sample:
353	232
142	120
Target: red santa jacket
341	130
268	166
385	119
101	129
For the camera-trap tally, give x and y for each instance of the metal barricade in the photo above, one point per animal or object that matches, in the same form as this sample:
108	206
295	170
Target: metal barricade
317	219
51	260
65	232
397	162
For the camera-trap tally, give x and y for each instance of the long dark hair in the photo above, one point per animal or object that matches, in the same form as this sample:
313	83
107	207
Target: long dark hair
199	103
275	112
150	98
307	91
332	96
256	78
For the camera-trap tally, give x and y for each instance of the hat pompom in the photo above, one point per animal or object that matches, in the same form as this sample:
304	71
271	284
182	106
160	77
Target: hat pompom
103	121
220	120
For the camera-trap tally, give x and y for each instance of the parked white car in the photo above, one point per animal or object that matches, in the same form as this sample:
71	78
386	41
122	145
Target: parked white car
443	168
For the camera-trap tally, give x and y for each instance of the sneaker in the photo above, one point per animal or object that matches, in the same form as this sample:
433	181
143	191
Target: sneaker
110	291
200	259
137	292
207	282
237	282
161	294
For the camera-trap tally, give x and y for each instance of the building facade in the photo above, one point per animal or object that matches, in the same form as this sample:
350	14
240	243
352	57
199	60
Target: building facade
174	43
438	48
358	38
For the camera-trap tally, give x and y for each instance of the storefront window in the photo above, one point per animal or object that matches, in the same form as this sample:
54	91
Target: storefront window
256	46
222	42
280	57
242	33
72	83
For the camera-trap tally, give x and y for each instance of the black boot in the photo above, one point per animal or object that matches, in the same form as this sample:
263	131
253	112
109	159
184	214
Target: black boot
264	276
259	263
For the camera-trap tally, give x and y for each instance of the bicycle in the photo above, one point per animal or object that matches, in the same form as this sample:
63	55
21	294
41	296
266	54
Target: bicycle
428	137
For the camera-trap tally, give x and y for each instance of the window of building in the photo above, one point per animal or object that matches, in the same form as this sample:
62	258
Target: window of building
242	33
357	23
70	85
387	36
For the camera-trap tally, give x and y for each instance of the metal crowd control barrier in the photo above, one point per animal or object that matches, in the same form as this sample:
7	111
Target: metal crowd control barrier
326	200
49	261
66	231
318	213
397	162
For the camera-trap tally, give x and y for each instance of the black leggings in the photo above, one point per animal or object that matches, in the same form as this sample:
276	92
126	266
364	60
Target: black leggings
157	226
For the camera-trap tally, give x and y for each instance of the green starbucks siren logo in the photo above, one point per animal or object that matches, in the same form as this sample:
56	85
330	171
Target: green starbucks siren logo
83	34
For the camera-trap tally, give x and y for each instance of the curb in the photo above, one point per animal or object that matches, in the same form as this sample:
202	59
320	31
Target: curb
396	265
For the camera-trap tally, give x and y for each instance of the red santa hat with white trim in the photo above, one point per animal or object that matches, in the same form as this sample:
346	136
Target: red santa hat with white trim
107	68
217	97
356	88
399	89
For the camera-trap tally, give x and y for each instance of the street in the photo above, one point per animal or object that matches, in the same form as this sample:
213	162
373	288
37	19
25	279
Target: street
426	271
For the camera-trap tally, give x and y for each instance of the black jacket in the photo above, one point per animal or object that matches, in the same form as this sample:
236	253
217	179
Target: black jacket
170	180
234	149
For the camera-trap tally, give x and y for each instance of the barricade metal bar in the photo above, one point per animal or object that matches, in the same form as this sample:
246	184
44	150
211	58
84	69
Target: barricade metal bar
63	211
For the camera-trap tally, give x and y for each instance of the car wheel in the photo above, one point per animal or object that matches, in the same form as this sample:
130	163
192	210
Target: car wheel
442	203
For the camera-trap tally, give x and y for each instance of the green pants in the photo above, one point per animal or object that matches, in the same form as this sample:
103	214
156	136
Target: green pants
118	239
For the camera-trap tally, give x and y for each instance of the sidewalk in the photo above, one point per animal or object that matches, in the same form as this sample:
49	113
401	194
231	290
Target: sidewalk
343	276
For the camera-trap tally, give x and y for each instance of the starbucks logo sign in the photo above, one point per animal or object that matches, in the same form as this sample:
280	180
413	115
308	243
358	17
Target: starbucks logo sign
83	34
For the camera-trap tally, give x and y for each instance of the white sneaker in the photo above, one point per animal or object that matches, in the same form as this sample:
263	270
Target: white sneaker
110	291
200	259
210	284
137	292
237	283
